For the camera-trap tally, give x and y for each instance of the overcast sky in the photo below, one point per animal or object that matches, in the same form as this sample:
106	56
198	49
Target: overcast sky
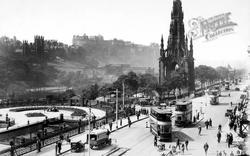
139	21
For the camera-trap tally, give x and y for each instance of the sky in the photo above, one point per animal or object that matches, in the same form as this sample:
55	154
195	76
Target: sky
139	21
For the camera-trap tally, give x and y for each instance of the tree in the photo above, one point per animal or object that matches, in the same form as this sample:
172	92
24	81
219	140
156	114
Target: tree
130	80
206	74
104	90
223	72
147	83
91	92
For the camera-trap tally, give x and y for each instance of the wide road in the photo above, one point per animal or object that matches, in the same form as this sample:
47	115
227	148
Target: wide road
140	141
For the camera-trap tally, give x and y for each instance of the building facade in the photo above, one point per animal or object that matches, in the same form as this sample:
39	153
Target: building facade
178	55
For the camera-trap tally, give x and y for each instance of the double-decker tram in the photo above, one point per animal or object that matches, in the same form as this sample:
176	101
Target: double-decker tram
183	113
161	122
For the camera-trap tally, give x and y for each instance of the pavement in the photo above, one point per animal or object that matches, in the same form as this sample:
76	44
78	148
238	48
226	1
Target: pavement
50	150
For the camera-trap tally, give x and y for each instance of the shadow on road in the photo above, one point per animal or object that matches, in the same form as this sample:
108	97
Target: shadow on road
221	104
180	135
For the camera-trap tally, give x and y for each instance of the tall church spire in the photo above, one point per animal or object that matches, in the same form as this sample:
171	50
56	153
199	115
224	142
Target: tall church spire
162	42
176	37
162	47
191	47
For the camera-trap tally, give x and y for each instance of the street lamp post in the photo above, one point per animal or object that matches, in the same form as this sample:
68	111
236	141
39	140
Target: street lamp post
89	127
116	117
123	95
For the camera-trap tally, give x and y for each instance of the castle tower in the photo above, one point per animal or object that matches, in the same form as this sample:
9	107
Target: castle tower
177	54
39	46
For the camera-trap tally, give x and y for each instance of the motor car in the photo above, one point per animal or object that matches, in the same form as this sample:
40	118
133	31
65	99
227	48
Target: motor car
172	103
229	111
199	93
77	146
99	138
237	89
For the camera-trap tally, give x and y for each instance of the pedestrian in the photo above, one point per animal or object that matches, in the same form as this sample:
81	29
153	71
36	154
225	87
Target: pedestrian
108	132
228	140
218	136
229	94
231	124
38	145
198	115
231	104
194	119
199	128
137	115
235	127
110	126
155	141
182	148
210	122
59	146
219	127
178	143
129	122
186	143
206	146
120	121
68	139
207	123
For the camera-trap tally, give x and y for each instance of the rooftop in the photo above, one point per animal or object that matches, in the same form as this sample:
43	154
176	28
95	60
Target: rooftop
183	102
162	110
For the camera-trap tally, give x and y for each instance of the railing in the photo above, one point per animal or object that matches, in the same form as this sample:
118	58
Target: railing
54	137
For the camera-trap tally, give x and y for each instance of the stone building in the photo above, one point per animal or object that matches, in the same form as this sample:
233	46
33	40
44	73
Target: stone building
177	56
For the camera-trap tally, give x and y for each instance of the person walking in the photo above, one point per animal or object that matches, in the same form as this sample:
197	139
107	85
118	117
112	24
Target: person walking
206	146
186	143
199	128
218	136
210	122
178	143
207	123
155	141
219	127
110	126
129	122
120	121
182	148
235	127
38	144
138	115
230	139
59	146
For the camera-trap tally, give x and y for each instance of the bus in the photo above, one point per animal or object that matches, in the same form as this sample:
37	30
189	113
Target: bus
161	122
183	113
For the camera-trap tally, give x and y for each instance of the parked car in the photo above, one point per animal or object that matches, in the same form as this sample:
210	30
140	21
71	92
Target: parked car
172	103
237	89
199	93
229	112
77	146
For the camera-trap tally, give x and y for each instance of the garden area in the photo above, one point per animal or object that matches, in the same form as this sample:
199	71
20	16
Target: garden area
35	114
75	111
